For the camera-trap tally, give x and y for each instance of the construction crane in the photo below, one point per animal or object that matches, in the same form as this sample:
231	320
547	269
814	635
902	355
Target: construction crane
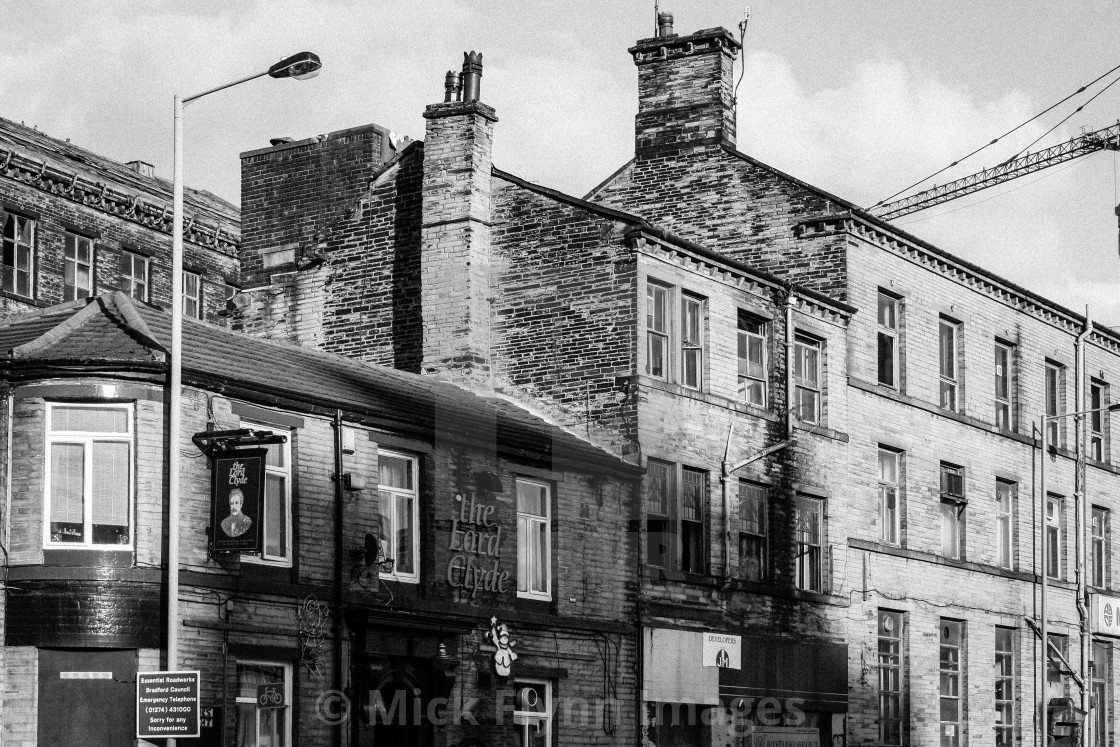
1081	145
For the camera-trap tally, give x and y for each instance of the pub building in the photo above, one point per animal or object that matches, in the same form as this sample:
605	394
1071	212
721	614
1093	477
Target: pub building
367	556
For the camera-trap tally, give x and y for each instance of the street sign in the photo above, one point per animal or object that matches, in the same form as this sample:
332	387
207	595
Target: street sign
1106	615
167	704
270	695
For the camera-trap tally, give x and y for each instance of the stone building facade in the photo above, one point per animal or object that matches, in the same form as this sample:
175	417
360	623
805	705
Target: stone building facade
835	417
77	224
435	568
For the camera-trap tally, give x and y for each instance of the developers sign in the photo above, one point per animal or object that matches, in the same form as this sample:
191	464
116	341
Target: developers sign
724	651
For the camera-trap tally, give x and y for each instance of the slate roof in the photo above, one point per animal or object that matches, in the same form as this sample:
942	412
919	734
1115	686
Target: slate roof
113	329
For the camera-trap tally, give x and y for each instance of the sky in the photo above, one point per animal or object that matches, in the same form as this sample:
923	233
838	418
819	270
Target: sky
861	98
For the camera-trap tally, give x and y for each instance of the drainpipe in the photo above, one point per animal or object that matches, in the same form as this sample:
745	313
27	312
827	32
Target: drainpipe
724	478
789	364
8	477
338	496
1081	507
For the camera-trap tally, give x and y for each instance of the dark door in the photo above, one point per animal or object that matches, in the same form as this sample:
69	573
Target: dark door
87	698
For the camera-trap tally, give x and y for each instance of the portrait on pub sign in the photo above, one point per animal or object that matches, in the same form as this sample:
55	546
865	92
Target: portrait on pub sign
236	498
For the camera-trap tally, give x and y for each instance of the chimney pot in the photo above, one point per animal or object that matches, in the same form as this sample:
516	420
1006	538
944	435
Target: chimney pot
143	168
451	87
280	141
665	24
472	75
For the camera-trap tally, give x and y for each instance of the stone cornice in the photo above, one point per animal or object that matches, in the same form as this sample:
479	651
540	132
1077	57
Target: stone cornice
958	270
203	229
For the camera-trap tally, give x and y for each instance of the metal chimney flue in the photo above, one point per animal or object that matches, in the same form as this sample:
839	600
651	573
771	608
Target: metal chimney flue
664	24
451	87
472	75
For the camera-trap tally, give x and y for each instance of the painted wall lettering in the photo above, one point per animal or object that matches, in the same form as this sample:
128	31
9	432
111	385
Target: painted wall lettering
476	540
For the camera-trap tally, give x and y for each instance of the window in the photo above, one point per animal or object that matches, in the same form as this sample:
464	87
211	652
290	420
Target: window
1098	399
1054	396
1005	548
1003	387
752	360
1100	679
398	508
276	543
675	519
534	540
807	379
888	340
752	531
77	267
657	331
889	509
259	725
1099	550
949	363
1054	536
19	254
890	678
694	499
809	521
134	275
1005	687
952	634
1056	685
659	496
89	482
953	504
192	295
532	716
692	341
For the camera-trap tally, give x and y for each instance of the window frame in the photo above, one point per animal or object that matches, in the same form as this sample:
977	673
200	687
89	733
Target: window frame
1004	375
287	708
692	322
129	278
674	521
887	486
697	565
1100	684
396	493
1054	401
14	270
1098	420
287	472
87	439
889	330
1099	547
658	328
803	347
891	660
952	507
952	670
71	263
1054	539
809	555
748	383
760	539
526	524
521	717
196	298
1005	522
949	369
1004	683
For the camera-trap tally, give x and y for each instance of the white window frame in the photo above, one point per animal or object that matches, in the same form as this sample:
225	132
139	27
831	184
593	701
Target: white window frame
752	492
18	269
658	329
1054	531
1005	673
692	341
804	385
1003	376
890	488
952	673
746	379
71	261
1005	523
195	298
285	560
87	439
527	562
523	719
130	278
1053	401
1099	540
810	561
889	329
1098	400
952	507
949	369
286	728
387	547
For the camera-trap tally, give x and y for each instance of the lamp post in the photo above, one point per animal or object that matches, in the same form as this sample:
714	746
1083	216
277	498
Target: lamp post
300	66
1043	423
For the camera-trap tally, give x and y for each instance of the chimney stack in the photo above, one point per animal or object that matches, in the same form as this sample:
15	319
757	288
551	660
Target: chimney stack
685	87
143	168
455	231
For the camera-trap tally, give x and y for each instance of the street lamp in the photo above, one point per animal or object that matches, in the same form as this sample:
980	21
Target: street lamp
1043	422
300	67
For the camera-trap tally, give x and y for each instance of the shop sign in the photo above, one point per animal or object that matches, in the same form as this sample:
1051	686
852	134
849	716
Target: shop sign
504	655
476	545
236	497
723	651
1106	615
763	736
167	704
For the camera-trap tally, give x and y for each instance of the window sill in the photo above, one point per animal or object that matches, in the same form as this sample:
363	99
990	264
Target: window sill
399	579
115	556
820	430
529	597
648	382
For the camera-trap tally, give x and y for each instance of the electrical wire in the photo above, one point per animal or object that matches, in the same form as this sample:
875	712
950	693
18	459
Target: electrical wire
996	140
1066	119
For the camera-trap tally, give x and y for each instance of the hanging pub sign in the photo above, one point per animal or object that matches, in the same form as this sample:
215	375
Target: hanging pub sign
236	499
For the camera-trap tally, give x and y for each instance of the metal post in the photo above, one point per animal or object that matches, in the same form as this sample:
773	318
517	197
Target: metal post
174	399
1043	725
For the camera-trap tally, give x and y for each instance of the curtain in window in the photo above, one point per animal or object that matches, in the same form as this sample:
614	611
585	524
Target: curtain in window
403	527
275	515
68	486
89	419
110	483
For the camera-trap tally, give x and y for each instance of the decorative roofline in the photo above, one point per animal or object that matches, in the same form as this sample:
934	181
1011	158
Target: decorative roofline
208	232
965	273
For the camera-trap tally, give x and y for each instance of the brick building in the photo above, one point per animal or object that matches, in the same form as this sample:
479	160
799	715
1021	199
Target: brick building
875	557
469	570
76	224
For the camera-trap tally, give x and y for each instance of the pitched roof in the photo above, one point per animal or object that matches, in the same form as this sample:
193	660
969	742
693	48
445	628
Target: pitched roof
112	329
